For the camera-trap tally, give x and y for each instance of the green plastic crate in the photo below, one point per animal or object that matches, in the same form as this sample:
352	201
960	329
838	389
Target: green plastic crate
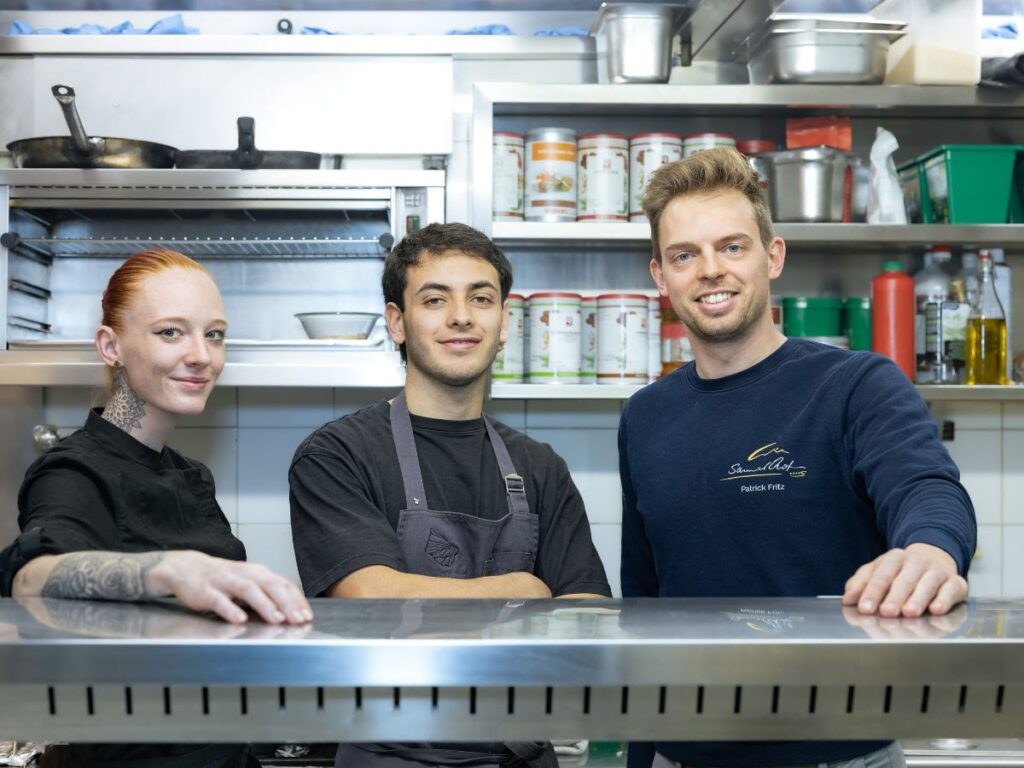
972	184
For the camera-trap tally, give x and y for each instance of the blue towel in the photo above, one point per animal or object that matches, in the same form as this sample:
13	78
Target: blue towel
487	29
1007	31
318	31
172	25
570	31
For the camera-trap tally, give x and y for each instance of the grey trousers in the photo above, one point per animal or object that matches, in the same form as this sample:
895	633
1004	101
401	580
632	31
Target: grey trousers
887	757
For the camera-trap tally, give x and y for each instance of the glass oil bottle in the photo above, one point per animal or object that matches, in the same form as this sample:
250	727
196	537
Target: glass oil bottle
986	332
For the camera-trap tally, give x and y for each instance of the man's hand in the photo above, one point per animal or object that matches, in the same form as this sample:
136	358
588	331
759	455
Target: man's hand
907	582
205	583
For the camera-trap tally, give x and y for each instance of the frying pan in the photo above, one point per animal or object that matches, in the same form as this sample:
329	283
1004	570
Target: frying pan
246	156
81	150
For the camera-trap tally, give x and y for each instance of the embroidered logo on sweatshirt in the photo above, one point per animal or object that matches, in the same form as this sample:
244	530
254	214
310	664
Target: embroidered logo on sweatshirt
442	551
771	460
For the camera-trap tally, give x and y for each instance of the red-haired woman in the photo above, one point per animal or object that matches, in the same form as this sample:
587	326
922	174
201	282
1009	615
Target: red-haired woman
111	512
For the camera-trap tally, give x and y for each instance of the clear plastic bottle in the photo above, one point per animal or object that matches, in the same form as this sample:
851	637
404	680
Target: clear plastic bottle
931	287
964	286
963	292
986	332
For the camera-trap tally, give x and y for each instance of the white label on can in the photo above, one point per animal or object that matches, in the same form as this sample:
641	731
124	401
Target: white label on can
653	339
603	178
696	144
507	200
551	180
622	341
647	156
588	362
509	364
554	340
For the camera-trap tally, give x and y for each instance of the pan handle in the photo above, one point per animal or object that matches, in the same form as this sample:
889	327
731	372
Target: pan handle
65	96
247	156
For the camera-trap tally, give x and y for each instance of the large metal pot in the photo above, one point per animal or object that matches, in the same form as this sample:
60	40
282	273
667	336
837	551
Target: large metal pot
809	185
81	150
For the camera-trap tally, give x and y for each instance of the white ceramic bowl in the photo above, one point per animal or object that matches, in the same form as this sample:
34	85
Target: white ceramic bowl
338	325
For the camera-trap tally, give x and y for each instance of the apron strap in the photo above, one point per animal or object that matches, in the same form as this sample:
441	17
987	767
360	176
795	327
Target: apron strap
412	475
408	460
515	488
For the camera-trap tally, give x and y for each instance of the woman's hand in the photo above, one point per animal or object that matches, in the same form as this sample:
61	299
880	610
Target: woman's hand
205	583
200	582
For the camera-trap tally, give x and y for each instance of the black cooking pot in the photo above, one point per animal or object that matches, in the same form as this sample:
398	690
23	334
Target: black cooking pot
246	157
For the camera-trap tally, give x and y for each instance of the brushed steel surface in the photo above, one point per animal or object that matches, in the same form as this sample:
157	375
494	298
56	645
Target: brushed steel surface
417	670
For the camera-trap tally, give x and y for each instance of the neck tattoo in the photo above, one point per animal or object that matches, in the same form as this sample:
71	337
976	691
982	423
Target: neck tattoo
124	409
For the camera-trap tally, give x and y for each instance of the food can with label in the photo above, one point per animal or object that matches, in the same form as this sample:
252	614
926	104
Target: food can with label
508	168
696	142
622	339
653	338
602	177
551	174
509	364
647	153
555	338
588	361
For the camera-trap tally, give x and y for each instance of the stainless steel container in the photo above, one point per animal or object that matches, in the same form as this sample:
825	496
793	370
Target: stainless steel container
849	56
809	185
634	41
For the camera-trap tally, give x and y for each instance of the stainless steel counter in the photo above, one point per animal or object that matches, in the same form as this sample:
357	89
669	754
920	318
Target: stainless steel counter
420	670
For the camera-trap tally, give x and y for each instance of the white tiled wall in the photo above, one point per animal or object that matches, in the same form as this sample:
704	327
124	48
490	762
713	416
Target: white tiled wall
248	436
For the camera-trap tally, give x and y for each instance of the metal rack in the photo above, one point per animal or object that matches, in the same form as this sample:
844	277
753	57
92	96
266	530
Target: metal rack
422	670
209	248
273	234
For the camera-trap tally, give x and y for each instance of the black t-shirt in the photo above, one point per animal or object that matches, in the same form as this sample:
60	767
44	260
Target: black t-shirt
101	489
346	494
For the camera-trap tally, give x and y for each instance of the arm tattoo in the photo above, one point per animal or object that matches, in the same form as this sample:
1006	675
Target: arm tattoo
102	576
124	409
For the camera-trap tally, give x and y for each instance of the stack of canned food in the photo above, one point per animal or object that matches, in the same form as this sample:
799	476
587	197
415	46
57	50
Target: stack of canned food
550	174
561	337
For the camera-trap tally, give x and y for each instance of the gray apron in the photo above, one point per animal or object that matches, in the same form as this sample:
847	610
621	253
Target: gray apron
439	543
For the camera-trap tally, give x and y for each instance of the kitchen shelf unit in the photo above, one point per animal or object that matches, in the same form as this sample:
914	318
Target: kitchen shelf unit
514	100
499	102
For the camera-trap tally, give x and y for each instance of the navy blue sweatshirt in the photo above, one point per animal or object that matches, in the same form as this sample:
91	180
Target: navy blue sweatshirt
781	480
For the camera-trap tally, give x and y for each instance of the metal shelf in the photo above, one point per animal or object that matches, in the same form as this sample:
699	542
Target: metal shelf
213	248
500	391
503	391
868	236
272	365
526	98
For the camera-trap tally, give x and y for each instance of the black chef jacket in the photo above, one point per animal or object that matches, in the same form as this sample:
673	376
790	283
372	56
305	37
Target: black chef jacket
101	489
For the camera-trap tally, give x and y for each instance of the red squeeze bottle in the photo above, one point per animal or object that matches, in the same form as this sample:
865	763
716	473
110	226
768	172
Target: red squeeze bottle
892	316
